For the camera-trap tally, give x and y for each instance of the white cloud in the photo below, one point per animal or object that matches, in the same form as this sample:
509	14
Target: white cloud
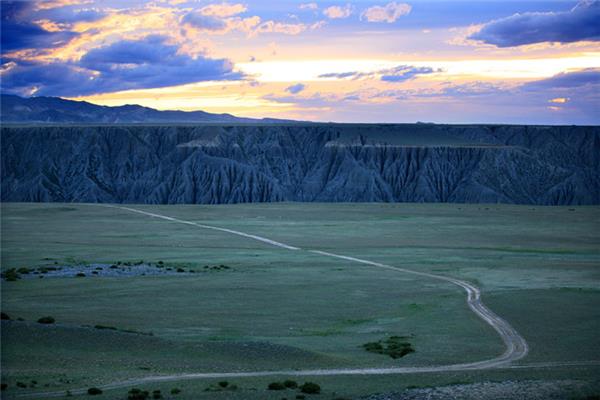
223	9
309	6
388	13
334	12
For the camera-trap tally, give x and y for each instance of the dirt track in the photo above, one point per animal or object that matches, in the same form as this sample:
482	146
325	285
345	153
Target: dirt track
516	346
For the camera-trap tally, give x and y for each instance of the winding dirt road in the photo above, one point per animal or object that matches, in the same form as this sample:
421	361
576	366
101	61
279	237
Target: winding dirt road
516	346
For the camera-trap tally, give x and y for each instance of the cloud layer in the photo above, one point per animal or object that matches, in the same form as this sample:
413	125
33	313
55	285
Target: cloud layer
388	13
580	23
131	64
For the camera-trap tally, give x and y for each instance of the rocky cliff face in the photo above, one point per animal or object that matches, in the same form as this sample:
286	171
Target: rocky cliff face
317	162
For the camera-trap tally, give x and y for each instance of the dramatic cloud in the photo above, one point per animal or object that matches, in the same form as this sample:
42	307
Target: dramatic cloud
125	65
388	13
19	33
336	12
565	80
297	88
580	23
399	73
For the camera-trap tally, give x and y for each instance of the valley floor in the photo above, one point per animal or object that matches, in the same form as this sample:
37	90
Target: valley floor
270	308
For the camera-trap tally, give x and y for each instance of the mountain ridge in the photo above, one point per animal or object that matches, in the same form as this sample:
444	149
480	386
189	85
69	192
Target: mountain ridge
55	110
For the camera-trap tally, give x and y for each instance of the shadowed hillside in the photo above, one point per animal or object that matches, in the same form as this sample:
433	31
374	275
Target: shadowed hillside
318	162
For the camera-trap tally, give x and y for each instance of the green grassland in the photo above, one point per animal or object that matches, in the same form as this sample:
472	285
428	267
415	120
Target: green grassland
276	309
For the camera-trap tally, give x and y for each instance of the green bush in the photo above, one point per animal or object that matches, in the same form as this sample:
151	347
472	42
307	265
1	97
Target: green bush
290	384
137	394
156	394
300	396
180	270
46	320
395	347
94	391
21	385
4	316
80	275
223	384
3	386
23	270
11	275
276	386
112	328
310	388
175	391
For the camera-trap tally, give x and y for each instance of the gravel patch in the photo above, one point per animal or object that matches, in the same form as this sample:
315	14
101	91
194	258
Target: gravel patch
508	390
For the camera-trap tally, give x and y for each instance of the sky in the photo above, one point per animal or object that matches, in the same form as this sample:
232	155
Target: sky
532	62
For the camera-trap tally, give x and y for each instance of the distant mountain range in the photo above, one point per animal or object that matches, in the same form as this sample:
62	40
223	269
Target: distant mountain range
54	110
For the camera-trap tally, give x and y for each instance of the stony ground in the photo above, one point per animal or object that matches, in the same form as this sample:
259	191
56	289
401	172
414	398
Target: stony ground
508	390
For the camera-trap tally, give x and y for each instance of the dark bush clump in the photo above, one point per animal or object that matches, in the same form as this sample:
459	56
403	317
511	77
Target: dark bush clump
310	388
112	328
180	270
137	394
80	275
94	391
223	384
156	394
290	384
4	316
11	275
395	347
276	386
113	266
175	391
300	396
21	385
3	386
46	320
23	270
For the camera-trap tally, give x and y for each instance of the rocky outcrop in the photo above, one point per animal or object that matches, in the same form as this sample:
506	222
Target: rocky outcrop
313	162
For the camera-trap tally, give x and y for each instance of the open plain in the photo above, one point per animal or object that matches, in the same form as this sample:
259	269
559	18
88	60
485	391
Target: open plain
288	310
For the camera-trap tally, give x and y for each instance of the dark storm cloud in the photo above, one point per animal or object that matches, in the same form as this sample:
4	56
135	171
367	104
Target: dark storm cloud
580	23
19	33
143	64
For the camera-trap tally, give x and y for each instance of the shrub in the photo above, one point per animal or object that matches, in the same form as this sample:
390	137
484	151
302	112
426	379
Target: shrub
290	384
4	316
395	347
3	386
175	391
80	275
23	270
180	270
21	385
223	384
156	394
46	320
310	388
300	396
276	386
94	391
112	328
137	394
11	275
